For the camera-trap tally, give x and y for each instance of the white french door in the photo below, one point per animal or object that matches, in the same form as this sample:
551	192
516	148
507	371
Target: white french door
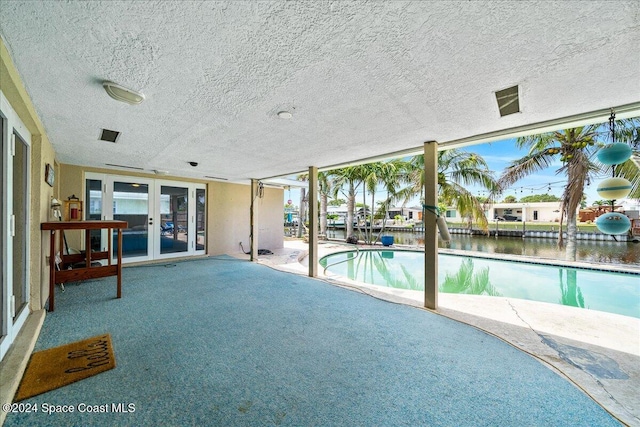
15	173
165	218
180	214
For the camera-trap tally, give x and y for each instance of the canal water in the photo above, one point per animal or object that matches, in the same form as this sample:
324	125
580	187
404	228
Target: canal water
611	252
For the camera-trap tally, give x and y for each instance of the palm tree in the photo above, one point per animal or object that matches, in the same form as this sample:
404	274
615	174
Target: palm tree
576	148
346	177
388	175
457	169
324	190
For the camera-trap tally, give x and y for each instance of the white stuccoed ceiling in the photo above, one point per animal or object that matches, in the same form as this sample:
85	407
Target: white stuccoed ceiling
362	79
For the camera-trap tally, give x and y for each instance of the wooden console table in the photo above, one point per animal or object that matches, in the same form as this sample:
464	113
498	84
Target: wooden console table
86	272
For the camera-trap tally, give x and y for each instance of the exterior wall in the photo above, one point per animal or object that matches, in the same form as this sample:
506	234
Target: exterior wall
229	215
524	211
40	193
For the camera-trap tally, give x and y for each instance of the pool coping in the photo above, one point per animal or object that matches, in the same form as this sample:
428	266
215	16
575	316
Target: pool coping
564	345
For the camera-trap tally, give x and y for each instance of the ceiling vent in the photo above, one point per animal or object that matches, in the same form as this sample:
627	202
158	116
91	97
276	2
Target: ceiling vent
125	167
508	101
109	135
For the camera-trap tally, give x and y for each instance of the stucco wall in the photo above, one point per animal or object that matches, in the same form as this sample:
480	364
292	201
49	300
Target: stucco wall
229	218
40	193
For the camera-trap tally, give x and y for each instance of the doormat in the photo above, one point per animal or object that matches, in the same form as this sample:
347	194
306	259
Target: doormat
60	366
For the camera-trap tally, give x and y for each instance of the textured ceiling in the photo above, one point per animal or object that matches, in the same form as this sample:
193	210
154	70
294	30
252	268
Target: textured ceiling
362	79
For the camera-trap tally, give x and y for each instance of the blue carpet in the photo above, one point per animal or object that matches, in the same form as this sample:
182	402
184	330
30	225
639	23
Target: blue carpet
225	342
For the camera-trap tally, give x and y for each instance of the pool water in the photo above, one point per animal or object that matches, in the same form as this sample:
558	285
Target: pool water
611	292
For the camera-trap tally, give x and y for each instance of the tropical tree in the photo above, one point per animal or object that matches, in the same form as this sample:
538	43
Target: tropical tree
388	175
457	170
534	198
324	191
576	149
346	177
509	199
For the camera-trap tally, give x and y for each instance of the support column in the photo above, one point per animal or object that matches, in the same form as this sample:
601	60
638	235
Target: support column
253	232
430	227
313	221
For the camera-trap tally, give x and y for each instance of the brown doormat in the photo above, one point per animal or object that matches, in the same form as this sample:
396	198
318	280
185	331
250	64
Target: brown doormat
60	366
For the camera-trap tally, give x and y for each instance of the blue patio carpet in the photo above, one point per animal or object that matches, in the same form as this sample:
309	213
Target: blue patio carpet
226	342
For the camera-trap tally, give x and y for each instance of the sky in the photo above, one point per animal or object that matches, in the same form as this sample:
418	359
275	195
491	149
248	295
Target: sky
498	156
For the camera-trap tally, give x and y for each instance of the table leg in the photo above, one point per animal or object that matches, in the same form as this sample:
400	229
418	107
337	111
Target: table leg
119	262
52	270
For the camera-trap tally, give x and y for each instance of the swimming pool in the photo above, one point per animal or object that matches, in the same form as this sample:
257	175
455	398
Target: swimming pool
617	293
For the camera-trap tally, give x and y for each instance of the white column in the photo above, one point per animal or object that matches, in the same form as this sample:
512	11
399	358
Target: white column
430	227
313	221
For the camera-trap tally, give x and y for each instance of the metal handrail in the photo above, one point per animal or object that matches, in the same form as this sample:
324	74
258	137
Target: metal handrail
344	260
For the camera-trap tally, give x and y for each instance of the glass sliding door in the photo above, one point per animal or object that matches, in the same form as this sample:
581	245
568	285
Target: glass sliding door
20	224
3	280
201	219
15	172
132	201
174	219
93	211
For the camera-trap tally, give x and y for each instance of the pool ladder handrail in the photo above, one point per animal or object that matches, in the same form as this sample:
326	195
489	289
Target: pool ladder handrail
344	260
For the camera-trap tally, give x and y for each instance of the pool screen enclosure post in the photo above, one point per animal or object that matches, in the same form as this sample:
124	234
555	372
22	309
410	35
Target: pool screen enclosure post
430	227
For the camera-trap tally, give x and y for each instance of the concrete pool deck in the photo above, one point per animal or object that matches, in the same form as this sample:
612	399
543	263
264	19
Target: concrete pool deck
598	352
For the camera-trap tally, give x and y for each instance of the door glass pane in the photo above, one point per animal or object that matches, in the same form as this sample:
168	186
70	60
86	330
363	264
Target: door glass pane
20	163
131	204
93	210
200	219
174	219
2	221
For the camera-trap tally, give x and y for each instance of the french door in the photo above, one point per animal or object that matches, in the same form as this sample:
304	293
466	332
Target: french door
15	160
165	218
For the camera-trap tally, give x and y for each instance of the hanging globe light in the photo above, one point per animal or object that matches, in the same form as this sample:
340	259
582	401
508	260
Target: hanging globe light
614	188
613	223
614	154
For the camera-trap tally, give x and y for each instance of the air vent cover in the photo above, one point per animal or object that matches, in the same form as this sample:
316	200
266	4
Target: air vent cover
508	101
123	166
109	135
